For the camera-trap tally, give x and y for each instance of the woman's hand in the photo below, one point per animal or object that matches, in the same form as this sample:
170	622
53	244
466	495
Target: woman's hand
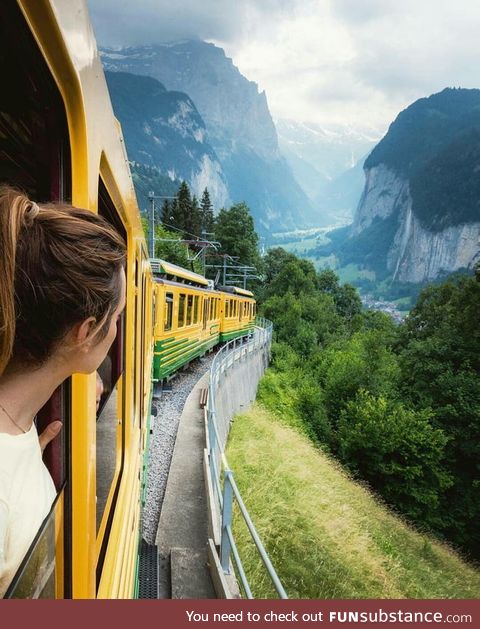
49	434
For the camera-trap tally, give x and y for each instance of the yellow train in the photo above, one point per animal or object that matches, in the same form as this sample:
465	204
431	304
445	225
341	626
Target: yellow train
192	317
60	141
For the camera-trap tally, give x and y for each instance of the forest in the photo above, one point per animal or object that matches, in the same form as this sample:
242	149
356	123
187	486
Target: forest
397	405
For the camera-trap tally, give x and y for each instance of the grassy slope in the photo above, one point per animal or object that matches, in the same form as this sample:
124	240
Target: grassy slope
327	536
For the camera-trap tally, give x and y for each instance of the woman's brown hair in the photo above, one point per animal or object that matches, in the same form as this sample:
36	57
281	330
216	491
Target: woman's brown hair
59	265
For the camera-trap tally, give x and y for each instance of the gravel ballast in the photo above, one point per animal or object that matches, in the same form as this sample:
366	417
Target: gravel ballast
169	408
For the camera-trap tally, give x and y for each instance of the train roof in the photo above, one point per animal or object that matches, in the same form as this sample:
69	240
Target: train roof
235	290
172	271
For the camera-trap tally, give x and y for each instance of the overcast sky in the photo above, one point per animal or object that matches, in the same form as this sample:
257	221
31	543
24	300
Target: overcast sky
348	62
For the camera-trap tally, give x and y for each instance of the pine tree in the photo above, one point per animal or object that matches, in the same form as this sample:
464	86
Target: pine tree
182	207
206	212
194	222
166	212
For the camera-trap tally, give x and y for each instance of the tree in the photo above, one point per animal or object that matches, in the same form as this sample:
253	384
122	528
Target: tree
235	230
206	212
169	247
399	453
184	205
193	219
166	211
439	356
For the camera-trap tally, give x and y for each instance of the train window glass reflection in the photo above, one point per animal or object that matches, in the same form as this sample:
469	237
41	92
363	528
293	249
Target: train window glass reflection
168	311
181	310
110	413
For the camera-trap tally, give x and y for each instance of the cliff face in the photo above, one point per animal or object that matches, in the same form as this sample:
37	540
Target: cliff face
164	129
415	254
421	202
238	125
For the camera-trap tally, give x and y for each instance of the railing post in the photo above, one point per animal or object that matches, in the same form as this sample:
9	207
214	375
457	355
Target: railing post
225	546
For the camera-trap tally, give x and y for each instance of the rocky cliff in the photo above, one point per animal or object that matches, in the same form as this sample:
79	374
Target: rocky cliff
415	253
163	129
421	203
238	123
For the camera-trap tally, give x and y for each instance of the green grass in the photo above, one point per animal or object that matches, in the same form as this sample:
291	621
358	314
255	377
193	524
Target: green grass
328	536
351	272
300	246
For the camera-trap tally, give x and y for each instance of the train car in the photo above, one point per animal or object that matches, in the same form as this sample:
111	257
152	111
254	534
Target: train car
192	317
188	318
238	312
59	141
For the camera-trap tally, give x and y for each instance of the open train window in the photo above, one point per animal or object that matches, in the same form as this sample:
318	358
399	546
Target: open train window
168	311
34	144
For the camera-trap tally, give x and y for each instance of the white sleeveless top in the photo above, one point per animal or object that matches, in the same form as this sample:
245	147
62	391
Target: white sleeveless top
26	496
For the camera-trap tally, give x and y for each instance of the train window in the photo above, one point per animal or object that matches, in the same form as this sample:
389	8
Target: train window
111	412
227	308
181	310
35	151
168	311
211	309
205	312
189	309
195	309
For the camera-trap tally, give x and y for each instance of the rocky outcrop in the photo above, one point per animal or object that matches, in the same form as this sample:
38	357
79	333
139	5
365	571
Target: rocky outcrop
384	194
416	253
163	129
238	123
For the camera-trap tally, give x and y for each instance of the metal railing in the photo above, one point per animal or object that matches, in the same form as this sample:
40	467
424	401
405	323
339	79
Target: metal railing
224	487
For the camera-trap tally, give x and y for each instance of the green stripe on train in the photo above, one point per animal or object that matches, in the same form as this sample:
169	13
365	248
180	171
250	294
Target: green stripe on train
233	334
166	361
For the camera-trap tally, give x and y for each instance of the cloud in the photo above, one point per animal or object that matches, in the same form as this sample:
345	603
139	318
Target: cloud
364	11
123	22
327	61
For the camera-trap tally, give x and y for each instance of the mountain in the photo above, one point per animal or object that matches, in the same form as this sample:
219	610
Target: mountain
163	129
419	214
327	162
238	125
